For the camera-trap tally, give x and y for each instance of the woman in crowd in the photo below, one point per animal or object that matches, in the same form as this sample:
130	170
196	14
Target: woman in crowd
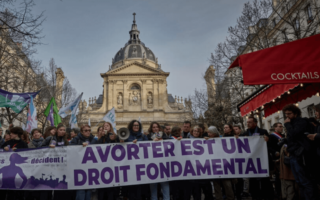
194	186
135	127
84	138
37	142
14	143
25	137
73	133
50	131
154	130
59	139
109	137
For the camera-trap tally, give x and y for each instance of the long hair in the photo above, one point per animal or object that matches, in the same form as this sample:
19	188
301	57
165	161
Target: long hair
111	127
130	125
65	137
47	131
151	125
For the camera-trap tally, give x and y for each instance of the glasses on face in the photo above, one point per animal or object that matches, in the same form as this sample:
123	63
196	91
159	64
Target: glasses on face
88	130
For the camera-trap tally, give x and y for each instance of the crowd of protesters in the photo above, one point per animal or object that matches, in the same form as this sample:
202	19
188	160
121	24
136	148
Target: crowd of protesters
294	160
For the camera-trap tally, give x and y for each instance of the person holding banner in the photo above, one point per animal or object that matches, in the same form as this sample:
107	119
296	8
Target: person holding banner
110	137
227	183
135	127
37	140
154	135
14	143
50	131
84	138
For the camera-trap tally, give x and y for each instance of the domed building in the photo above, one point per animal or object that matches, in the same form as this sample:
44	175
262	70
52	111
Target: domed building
136	86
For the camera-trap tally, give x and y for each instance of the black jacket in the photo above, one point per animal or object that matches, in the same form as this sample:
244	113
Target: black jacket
107	140
259	130
295	135
79	139
273	145
19	144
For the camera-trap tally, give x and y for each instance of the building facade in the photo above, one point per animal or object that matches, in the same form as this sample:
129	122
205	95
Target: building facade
136	86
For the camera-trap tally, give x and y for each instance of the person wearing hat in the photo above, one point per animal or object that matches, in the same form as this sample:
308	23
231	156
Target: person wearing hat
15	142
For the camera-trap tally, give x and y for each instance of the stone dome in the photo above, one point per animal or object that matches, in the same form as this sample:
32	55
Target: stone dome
134	48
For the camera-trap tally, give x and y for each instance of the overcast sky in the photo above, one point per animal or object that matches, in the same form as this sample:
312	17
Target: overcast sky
84	35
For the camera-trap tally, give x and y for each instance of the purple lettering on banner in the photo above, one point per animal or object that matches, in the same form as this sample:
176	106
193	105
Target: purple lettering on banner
164	170
89	155
114	155
103	176
240	161
156	171
93	176
116	174
139	172
197	144
250	167
260	170
125	172
168	150
156	149
176	173
245	146
76	174
215	166
134	152
228	166
209	144
184	147
188	168
145	149
103	156
204	169
225	146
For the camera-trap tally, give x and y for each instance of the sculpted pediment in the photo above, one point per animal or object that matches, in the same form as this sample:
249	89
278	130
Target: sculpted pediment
136	68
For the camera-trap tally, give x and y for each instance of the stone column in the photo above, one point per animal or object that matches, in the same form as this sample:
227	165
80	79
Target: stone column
125	96
110	97
155	94
105	95
143	95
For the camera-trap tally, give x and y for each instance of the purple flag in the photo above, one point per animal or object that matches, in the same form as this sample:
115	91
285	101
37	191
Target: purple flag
50	116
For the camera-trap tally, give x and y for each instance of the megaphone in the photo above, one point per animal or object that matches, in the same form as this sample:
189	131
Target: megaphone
123	133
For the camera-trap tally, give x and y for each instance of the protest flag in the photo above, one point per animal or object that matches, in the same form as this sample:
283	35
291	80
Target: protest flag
72	107
51	113
111	117
16	101
32	121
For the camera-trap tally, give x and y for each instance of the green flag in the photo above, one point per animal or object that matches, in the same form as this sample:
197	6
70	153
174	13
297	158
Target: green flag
52	112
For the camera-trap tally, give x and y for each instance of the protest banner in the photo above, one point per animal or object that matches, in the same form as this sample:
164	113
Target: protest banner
121	164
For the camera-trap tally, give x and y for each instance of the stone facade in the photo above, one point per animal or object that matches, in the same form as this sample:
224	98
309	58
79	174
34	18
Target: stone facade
136	86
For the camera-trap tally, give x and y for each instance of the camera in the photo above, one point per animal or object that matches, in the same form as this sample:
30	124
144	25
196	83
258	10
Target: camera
282	142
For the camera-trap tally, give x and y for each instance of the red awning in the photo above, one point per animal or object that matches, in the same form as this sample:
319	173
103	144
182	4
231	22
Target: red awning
296	95
267	95
293	62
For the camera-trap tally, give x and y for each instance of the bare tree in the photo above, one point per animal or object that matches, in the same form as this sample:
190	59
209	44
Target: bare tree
262	24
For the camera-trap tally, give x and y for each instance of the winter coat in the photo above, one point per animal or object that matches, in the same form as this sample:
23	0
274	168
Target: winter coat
285	171
273	145
107	140
164	136
36	143
59	141
19	144
79	139
259	130
136	136
295	135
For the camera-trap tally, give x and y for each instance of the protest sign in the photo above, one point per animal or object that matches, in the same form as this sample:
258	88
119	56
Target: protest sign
121	164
